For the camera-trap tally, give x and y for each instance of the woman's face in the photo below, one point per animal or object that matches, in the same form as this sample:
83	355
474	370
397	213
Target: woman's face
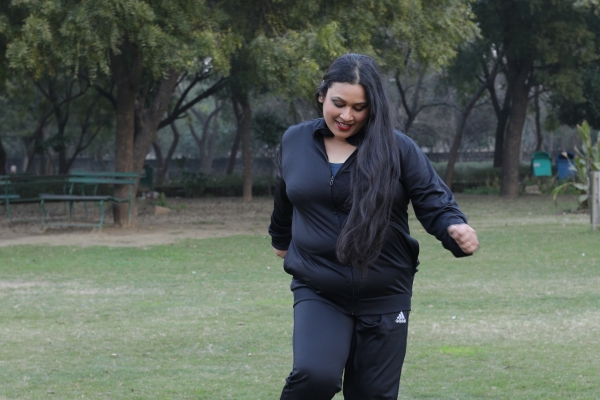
345	109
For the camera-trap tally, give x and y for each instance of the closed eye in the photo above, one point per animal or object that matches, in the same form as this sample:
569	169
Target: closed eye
341	105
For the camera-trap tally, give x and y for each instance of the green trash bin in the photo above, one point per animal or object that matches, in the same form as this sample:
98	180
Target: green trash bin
541	163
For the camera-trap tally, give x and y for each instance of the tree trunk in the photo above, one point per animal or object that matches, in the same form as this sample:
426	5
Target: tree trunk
243	115
43	152
127	81
500	133
233	153
502	114
133	142
518	74
460	128
149	118
247	151
85	128
172	148
413	109
34	145
197	139
210	151
206	142
538	123
160	161
60	145
62	161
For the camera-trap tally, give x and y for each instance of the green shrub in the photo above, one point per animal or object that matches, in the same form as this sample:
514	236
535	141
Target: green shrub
193	184
162	201
483	178
202	185
491	186
473	177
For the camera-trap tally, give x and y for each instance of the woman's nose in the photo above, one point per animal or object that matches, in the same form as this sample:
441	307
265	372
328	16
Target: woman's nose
347	114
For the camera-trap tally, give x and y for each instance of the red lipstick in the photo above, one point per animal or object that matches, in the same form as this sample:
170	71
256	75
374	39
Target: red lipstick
343	127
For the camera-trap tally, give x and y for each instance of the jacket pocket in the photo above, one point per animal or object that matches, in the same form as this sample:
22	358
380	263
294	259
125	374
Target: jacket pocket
288	261
410	244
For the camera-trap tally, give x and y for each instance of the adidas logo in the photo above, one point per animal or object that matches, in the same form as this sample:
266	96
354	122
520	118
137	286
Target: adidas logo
400	318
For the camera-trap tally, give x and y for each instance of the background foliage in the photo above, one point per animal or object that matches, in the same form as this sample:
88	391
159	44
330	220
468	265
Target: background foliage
219	71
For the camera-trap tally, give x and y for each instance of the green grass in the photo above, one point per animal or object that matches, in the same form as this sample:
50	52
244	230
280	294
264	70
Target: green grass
521	319
212	319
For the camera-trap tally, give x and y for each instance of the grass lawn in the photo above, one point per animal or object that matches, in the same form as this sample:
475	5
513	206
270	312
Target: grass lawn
212	319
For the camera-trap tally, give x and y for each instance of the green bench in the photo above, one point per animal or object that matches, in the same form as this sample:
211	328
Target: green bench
6	193
77	187
97	187
24	188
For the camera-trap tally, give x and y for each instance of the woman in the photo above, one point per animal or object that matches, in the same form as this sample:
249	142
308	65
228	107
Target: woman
340	222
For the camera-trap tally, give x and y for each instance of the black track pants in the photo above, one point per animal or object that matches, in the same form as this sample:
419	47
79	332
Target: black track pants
367	350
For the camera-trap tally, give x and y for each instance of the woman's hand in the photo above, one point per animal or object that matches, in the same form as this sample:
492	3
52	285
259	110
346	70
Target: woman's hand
465	237
280	253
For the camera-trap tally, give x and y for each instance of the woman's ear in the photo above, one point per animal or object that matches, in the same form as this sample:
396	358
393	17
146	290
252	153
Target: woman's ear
321	99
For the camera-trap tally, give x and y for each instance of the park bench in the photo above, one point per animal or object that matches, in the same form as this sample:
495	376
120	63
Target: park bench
96	187
77	187
6	193
24	188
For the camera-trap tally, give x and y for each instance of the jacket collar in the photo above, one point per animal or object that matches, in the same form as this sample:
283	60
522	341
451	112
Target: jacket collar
323	130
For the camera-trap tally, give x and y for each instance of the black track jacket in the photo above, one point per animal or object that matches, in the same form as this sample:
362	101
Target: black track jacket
310	211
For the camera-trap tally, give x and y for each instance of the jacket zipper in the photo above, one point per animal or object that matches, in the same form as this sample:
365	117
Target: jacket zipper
335	211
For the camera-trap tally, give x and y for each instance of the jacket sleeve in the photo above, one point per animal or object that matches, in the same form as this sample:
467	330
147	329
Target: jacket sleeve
432	200
281	218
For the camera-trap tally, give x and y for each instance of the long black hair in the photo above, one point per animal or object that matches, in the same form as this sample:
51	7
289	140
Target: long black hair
375	178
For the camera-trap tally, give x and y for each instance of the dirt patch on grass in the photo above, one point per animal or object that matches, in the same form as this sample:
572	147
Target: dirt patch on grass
188	219
19	284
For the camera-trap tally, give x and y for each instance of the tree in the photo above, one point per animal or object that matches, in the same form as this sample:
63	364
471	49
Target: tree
472	72
469	103
191	90
543	42
206	143
416	96
573	111
143	47
414	44
25	116
79	115
273	45
56	117
287	44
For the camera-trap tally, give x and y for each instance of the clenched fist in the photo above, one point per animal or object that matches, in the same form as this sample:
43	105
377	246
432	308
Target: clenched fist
465	237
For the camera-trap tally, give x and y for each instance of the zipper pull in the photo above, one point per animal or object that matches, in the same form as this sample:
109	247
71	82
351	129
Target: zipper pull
331	181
